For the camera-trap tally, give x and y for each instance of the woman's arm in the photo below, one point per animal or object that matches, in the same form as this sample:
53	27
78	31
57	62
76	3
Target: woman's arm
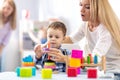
67	40
103	44
76	35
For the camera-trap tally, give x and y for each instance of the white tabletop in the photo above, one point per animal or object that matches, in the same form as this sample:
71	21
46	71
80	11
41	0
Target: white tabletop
59	76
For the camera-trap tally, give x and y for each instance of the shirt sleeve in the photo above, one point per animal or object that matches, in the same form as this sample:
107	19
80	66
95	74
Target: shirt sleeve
38	61
68	52
103	44
78	34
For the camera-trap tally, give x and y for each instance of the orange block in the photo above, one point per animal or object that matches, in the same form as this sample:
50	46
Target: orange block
28	63
48	45
75	62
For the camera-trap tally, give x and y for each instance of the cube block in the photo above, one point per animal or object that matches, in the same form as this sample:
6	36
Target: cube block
72	72
77	54
92	73
25	72
46	73
74	62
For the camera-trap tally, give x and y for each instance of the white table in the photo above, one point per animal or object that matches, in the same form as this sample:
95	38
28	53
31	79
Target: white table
59	76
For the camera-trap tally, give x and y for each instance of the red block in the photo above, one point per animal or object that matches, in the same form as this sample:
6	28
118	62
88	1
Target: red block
72	72
92	73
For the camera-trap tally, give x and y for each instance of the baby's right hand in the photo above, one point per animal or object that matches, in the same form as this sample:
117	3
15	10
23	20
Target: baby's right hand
38	51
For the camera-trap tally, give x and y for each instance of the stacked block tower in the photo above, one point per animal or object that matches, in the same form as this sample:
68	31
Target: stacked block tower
28	61
75	63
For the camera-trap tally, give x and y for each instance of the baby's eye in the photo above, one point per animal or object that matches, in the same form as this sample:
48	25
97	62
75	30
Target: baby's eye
50	36
57	37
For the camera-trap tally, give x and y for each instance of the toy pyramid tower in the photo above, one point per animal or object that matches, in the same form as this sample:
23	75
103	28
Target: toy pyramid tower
49	63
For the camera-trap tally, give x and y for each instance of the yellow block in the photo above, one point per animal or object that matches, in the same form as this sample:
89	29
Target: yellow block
75	62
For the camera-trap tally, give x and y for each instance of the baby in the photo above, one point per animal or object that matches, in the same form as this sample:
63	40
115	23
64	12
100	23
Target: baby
55	35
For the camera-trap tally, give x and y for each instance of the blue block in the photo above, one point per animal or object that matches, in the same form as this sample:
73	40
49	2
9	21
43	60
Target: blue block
18	71
95	59
33	71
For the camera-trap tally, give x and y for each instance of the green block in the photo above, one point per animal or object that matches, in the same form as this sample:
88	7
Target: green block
26	72
88	59
46	73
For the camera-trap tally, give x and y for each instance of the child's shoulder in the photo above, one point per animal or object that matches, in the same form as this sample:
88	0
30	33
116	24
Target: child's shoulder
65	51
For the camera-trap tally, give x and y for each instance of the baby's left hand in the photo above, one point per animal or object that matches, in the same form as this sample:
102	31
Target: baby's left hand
56	55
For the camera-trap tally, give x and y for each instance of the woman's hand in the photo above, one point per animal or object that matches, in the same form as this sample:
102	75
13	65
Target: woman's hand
56	55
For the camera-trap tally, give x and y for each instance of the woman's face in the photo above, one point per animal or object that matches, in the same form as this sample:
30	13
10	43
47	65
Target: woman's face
85	10
7	9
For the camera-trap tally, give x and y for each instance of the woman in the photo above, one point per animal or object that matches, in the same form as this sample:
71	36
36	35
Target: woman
7	22
102	30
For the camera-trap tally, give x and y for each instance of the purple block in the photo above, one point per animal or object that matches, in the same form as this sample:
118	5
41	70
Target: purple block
77	54
78	71
46	49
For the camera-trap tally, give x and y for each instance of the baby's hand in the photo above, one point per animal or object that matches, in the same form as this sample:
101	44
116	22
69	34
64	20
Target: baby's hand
38	51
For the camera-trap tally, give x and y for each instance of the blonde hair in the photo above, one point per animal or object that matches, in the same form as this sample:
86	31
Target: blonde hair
102	11
1	22
12	16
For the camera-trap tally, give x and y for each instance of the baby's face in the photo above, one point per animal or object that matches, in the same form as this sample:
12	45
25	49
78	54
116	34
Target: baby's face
55	37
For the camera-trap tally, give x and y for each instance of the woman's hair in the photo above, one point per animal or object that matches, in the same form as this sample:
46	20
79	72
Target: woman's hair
57	25
102	11
13	15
